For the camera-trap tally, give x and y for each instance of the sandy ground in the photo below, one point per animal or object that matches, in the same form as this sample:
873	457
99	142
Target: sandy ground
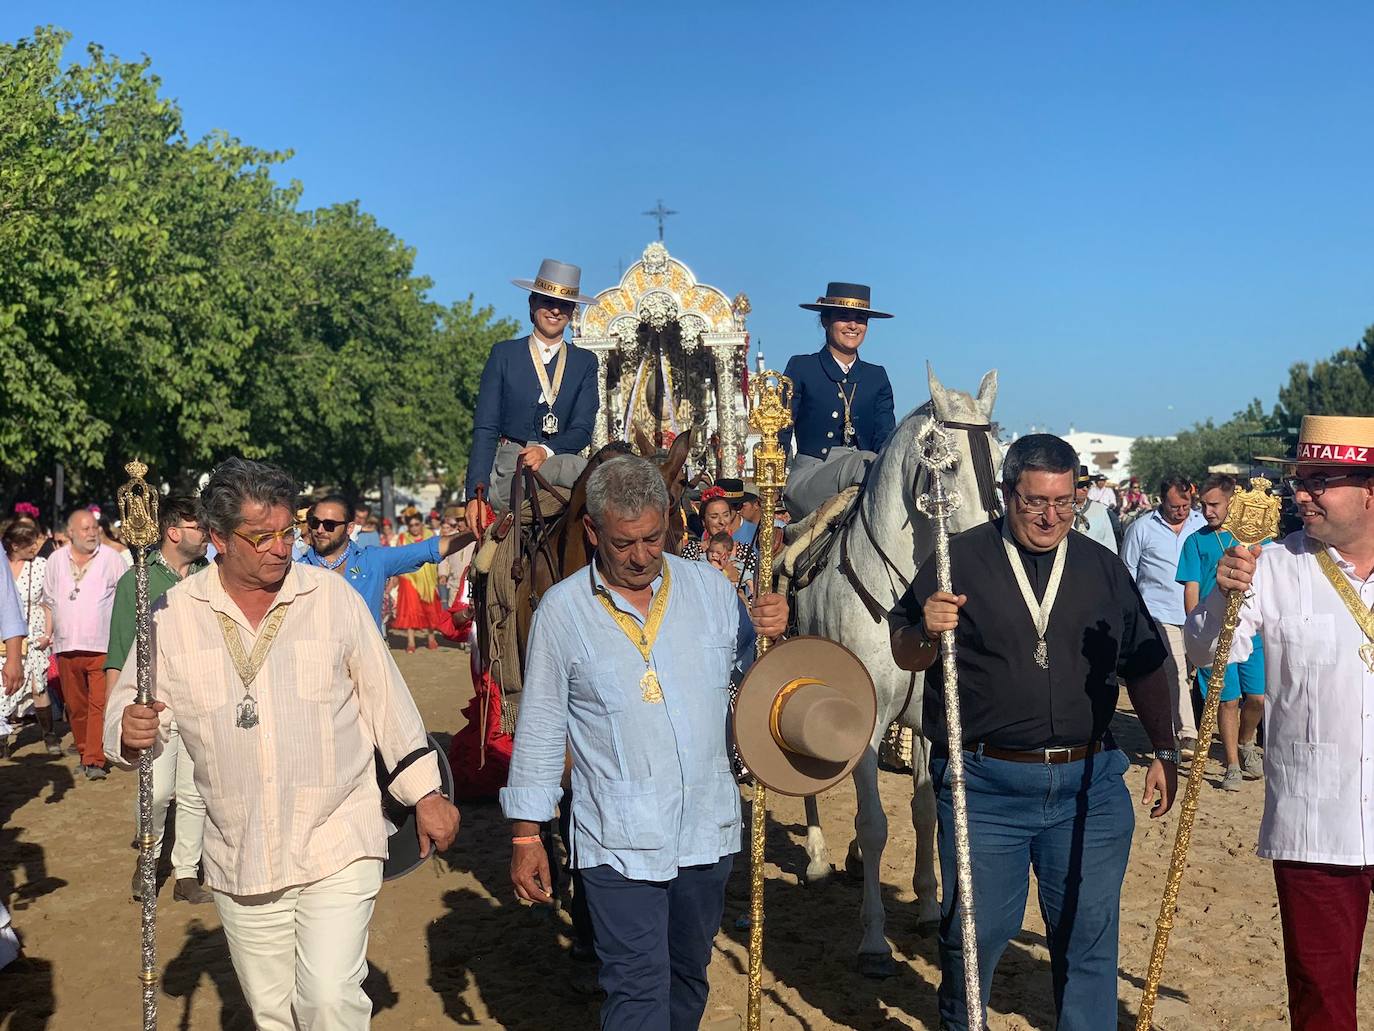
451	946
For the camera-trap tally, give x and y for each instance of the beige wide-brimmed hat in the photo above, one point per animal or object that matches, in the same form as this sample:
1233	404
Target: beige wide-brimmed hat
804	715
557	279
1341	441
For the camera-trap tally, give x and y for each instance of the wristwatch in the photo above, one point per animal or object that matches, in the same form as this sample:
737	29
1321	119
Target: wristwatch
1168	755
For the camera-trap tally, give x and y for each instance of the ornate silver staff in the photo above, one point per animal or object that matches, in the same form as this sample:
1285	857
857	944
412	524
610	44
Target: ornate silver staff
937	453
1253	518
138	524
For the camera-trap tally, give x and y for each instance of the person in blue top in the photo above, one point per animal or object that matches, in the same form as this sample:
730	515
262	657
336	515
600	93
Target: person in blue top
537	400
842	409
1237	722
628	671
367	568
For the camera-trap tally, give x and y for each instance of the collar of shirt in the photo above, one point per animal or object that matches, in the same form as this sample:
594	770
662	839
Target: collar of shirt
599	586
157	558
211	589
546	351
313	558
834	368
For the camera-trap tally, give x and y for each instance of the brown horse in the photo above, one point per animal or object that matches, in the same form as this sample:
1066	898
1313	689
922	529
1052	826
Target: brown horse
552	551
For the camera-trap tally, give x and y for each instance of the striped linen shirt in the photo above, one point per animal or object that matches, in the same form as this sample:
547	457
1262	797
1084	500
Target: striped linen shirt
295	798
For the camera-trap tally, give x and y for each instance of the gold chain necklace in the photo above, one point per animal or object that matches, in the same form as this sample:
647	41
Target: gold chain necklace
642	638
248	666
1364	617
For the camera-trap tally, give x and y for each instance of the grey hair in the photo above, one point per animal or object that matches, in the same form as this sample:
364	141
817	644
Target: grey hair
626	485
237	480
1037	452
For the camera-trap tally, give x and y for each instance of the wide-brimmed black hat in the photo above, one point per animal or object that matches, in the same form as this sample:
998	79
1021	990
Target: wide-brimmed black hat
403	838
1083	478
851	297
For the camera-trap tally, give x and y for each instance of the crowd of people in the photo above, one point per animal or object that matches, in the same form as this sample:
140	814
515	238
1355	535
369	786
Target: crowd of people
279	715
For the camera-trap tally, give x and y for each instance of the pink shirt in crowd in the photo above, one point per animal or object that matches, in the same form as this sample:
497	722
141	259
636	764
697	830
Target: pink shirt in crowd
81	624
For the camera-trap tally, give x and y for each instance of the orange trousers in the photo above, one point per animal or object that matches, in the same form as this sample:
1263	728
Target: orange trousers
82	675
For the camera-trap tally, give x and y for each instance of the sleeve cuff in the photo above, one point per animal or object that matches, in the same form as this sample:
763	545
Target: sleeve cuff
417	780
548	451
533	803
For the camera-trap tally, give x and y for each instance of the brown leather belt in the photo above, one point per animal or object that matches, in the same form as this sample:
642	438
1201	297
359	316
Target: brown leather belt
1048	756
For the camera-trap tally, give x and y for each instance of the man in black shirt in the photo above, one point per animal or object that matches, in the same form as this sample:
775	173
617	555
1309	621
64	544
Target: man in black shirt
1045	622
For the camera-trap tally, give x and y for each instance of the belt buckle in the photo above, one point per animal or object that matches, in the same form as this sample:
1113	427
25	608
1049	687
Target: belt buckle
1066	752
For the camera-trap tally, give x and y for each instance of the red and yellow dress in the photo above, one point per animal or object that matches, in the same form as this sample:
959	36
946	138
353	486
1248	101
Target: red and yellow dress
417	594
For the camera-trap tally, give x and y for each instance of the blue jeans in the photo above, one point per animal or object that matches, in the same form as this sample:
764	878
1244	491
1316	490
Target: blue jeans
1072	823
654	942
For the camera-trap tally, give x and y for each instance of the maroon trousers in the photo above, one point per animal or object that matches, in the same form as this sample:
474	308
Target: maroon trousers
1324	909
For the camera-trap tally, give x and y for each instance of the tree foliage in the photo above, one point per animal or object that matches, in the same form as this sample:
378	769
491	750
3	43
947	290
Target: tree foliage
166	298
1340	385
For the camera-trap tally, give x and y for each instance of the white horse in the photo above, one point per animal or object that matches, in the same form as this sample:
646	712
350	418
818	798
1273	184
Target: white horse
865	575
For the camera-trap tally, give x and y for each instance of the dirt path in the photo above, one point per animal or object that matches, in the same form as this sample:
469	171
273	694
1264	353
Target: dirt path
451	946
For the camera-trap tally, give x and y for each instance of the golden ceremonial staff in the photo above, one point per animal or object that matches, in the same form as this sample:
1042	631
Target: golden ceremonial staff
770	414
1252	519
937	453
138	524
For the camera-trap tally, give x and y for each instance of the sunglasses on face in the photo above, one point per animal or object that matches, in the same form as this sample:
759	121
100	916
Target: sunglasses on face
263	541
330	525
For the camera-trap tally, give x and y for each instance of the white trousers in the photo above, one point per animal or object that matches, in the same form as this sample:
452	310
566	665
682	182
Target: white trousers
173	775
1176	672
301	954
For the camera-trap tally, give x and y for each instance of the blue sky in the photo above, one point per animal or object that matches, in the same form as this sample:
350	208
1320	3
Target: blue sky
1140	213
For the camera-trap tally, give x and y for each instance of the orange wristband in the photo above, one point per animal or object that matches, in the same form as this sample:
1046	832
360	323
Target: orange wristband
528	839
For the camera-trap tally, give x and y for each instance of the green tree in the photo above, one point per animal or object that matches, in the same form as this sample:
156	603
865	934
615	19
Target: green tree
1340	385
165	298
1192	451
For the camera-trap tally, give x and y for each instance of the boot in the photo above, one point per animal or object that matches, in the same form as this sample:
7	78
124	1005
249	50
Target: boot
51	741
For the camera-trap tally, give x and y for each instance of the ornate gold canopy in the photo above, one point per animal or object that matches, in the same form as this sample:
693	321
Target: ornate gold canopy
687	337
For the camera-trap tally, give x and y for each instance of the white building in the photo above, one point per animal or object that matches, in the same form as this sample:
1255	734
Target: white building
1105	453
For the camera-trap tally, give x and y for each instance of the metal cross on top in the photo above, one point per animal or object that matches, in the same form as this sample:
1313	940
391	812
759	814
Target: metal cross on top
660	213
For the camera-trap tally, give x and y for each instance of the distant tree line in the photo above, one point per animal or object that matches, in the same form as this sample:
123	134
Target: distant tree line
1340	385
166	298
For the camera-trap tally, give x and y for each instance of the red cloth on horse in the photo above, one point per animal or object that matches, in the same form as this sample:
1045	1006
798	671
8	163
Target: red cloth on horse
476	780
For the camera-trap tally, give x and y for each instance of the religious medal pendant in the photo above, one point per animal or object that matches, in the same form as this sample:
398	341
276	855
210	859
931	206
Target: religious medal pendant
246	713
848	433
549	424
75	592
1367	656
650	688
1042	654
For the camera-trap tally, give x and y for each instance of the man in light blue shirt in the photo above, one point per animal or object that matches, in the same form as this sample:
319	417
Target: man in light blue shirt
629	667
367	569
1151	549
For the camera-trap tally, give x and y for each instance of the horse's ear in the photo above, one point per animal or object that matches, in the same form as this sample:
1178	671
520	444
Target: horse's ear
643	444
987	392
938	394
677	456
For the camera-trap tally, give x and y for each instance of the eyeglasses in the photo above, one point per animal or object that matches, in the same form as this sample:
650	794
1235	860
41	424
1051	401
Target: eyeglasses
263	541
192	526
1315	486
330	525
1038	506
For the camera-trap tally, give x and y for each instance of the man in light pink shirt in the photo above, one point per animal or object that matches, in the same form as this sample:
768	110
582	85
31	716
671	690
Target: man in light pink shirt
79	586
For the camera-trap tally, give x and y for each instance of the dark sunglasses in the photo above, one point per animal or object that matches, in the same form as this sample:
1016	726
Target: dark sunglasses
330	525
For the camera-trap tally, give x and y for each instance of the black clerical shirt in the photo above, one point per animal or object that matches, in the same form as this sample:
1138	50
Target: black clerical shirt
1099	629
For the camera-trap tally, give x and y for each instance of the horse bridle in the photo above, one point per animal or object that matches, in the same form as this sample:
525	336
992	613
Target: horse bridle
981	451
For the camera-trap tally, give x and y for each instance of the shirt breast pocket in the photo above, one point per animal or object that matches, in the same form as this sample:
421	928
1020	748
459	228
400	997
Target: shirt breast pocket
1308	641
318	669
192	683
599	683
